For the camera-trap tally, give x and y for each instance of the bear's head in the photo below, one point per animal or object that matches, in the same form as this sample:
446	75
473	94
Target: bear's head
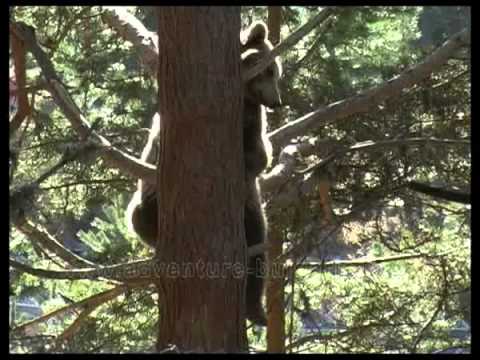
263	88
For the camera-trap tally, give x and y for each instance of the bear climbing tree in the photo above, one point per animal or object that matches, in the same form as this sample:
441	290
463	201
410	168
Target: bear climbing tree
261	91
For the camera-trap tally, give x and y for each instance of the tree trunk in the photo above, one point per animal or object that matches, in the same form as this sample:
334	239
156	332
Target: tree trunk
275	282
200	181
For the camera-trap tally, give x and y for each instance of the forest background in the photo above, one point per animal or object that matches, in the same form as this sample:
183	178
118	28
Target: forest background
377	101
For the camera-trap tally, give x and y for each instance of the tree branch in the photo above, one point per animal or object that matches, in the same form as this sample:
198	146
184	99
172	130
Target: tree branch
440	306
22	198
289	160
18	52
131	29
113	156
372	97
442	193
47	241
74	327
370	261
135	272
89	305
282	172
90	302
68	156
86	182
294	38
375	145
145	42
288	183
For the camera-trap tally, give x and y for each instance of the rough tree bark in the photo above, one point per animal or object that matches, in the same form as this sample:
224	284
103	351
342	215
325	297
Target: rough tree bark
275	284
200	180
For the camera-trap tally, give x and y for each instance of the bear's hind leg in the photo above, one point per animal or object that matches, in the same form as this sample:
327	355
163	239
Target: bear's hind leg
255	232
255	283
144	220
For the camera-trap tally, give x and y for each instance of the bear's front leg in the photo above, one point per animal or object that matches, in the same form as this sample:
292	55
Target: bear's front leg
256	159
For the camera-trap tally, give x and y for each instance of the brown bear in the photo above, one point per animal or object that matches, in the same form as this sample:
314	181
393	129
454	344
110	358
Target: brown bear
261	90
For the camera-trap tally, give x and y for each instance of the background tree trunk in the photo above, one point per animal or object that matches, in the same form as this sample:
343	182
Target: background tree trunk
275	284
200	179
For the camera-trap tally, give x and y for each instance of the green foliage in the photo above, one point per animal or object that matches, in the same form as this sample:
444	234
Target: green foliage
110	239
400	306
129	323
384	307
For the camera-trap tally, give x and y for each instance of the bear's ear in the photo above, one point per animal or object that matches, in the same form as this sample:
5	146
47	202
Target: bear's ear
257	32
